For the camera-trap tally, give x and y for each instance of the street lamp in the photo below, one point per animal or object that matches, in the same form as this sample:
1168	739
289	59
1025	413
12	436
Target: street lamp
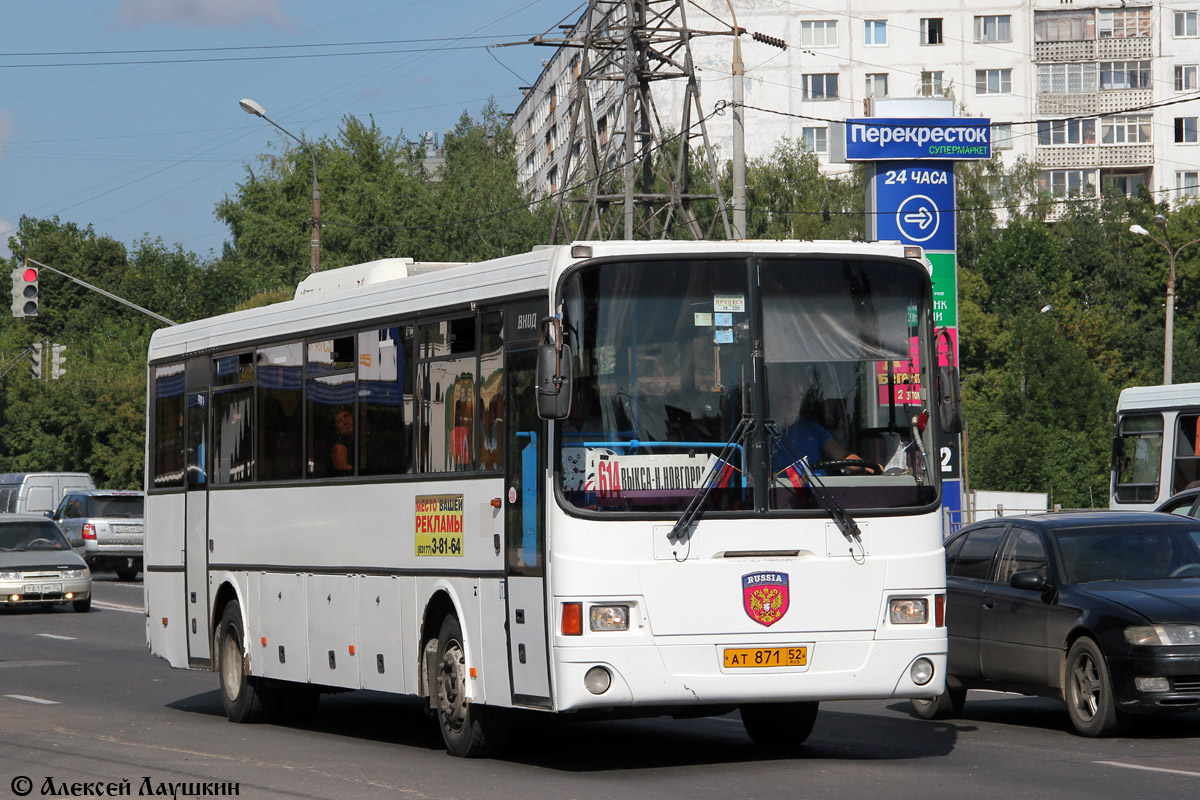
251	107
1169	343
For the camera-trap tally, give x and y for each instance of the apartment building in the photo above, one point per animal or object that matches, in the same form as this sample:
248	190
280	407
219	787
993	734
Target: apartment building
1102	94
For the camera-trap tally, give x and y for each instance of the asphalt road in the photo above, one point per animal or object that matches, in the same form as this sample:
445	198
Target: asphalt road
84	709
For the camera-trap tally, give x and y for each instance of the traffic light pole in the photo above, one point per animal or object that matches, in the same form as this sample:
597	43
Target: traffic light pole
98	290
7	368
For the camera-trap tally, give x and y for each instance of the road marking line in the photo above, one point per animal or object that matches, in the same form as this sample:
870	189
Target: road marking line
118	607
1149	769
28	699
56	636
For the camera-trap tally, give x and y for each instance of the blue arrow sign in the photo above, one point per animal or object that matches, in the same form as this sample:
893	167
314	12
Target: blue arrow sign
914	202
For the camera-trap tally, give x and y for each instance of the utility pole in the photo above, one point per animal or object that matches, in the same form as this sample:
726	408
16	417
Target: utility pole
640	168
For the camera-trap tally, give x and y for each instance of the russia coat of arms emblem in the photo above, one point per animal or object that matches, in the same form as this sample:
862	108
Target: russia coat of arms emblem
765	596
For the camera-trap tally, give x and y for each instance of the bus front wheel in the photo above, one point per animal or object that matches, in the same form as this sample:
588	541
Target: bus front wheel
779	725
244	697
470	730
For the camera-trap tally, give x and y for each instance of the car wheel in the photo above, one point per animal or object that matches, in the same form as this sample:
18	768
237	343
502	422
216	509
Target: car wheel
82	606
245	698
779	725
469	730
947	705
1088	692
126	573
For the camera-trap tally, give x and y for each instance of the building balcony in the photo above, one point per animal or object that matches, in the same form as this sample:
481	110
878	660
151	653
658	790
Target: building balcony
1127	49
1109	101
1127	155
1092	156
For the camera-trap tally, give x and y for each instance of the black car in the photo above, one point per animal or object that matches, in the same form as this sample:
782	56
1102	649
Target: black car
1184	504
1100	609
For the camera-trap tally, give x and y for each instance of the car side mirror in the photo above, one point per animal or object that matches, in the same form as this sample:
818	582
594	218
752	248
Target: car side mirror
48	514
1030	580
77	543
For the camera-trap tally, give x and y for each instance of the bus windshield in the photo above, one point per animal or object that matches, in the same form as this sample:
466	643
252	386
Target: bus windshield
665	370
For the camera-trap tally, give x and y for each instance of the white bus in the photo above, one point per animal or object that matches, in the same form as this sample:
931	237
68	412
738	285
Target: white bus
1156	445
570	480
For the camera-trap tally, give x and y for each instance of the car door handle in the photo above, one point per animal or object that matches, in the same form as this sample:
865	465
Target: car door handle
989	604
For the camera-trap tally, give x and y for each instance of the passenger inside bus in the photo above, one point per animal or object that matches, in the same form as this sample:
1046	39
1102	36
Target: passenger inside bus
343	442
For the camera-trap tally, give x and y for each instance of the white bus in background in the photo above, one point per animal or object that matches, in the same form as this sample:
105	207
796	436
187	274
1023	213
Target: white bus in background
572	484
1156	445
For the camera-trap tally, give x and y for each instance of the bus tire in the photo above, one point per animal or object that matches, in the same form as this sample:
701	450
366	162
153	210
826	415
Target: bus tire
245	698
782	726
469	730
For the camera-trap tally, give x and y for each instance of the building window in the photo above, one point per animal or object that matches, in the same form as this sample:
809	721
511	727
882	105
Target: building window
1067	78
1064	26
819	33
1124	184
1064	133
1187	184
1067	182
821	86
1185	130
931	30
993	81
876	32
931	84
1127	129
816	140
1123	23
877	84
1185	24
1185	77
993	29
1124	75
1002	136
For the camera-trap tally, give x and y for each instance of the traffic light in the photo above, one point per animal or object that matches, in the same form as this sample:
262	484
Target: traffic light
35	361
24	292
58	361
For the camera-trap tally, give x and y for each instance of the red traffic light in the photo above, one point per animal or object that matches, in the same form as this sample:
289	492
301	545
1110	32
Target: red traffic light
29	275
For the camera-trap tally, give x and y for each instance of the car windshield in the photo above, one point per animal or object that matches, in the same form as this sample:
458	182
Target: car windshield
117	506
1127	552
32	535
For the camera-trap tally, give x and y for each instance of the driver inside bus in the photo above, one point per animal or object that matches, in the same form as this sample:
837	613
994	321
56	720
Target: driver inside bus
803	438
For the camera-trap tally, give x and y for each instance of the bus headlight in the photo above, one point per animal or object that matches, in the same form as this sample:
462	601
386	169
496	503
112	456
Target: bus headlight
609	618
921	671
908	611
597	680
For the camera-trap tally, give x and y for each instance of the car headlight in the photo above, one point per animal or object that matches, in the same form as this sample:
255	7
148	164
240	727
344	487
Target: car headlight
10	576
74	573
609	618
1163	634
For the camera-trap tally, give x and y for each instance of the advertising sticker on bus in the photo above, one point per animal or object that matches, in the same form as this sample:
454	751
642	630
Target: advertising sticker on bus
439	525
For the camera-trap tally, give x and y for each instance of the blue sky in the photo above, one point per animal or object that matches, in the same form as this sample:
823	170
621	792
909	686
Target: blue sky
142	148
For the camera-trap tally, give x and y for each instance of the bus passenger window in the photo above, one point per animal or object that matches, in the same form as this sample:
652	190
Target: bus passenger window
384	397
280	418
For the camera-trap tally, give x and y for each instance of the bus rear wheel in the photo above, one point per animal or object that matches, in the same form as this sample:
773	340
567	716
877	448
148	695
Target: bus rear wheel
782	726
469	730
244	697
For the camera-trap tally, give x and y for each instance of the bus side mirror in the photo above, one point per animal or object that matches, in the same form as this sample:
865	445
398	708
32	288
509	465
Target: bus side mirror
553	381
949	401
1118	450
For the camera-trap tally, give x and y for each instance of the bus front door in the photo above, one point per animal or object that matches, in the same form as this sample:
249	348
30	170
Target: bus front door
195	543
525	547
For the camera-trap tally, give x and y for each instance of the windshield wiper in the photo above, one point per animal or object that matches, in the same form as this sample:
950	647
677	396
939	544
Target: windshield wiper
712	479
837	513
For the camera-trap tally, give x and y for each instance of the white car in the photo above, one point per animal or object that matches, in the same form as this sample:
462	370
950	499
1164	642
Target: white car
37	566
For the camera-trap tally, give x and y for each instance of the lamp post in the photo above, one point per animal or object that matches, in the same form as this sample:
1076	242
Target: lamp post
251	107
1172	252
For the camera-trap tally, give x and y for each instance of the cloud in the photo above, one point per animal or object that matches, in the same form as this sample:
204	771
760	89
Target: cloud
7	229
201	13
6	131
